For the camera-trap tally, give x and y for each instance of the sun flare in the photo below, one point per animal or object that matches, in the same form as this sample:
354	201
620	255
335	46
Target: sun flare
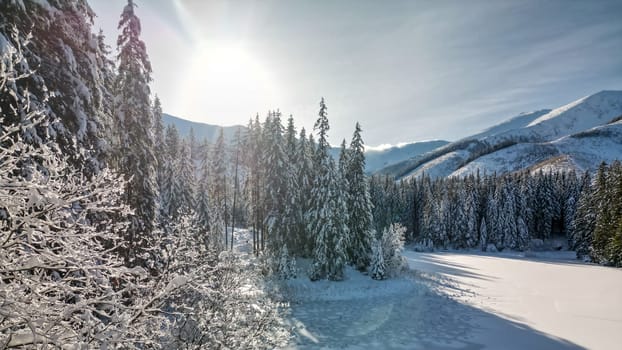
230	83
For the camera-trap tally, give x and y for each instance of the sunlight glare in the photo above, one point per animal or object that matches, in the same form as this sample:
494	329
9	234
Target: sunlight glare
229	83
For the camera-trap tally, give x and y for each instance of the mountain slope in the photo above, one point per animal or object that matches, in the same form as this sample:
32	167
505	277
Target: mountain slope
578	135
378	159
201	130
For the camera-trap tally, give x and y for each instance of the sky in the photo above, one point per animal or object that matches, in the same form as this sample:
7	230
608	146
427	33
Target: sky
406	70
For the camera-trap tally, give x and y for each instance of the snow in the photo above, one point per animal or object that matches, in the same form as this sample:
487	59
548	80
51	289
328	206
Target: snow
575	136
520	121
442	165
452	300
551	294
380	157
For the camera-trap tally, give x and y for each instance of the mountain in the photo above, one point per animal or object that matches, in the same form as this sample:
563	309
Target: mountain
201	130
579	136
376	159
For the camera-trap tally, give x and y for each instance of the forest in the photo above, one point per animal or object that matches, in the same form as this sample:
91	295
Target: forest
116	232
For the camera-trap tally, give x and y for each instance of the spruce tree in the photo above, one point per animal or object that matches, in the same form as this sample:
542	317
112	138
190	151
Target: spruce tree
203	205
276	189
359	204
64	53
325	222
304	178
136	148
218	190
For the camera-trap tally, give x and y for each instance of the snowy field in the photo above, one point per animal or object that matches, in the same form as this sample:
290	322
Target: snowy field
463	301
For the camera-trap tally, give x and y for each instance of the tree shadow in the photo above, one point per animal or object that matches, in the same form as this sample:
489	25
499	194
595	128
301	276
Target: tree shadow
449	268
418	318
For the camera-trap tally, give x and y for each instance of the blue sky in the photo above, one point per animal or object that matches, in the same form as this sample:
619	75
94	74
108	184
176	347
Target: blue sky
406	70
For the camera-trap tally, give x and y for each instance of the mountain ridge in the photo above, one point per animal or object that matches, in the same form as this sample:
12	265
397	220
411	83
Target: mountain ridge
547	135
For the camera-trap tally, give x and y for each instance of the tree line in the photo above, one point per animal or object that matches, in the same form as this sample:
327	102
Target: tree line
518	211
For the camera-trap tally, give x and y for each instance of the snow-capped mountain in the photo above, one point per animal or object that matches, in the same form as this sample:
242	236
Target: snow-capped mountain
376	159
579	135
201	130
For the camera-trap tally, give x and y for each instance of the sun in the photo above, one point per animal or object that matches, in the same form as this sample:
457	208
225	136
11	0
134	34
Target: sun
226	85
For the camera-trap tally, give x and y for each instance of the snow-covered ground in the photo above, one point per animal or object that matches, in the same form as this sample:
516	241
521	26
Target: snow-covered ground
463	301
552	295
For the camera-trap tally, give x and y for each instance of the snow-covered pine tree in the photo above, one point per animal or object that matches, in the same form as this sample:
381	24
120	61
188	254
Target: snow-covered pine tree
172	147
329	256
185	181
483	235
392	242
377	268
218	185
304	178
161	154
253	155
136	149
74	66
543	206
585	219
494	230
607	241
275	184
508	232
293	212
470	212
202	200
359	204
340	235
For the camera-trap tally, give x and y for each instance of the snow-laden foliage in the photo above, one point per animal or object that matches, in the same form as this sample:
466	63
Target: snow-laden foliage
392	244
71	60
214	299
377	269
359	204
329	214
286	267
462	213
134	153
63	283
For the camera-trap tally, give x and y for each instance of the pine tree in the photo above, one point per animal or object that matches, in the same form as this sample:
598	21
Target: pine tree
293	215
483	235
585	219
64	53
304	178
327	206
359	204
377	269
134	114
203	205
275	183
218	190
160	152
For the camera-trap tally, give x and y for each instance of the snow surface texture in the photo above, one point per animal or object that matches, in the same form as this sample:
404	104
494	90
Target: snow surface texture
576	136
543	301
463	301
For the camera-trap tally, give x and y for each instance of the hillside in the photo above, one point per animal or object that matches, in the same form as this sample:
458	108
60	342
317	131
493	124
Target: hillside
576	136
376	159
201	130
